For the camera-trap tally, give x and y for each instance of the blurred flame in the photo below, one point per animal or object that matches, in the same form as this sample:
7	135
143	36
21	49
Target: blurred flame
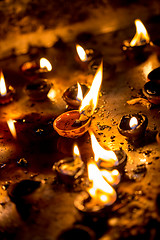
76	154
100	191
44	63
81	53
141	34
3	89
79	94
12	129
133	123
89	103
108	157
112	177
51	94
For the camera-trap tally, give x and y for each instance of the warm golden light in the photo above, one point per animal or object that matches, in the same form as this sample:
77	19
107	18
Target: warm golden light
12	129
44	63
76	155
133	123
51	94
112	177
141	35
81	53
79	94
90	101
100	191
107	158
3	89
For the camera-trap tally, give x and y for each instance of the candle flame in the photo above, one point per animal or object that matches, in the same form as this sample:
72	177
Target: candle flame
106	158
112	177
90	101
133	123
12	129
141	35
79	94
3	89
81	53
44	63
76	152
51	94
100	191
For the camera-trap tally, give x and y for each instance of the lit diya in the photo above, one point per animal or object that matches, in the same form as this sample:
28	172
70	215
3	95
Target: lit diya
140	40
133	126
71	168
38	90
154	75
99	196
35	69
75	123
6	92
105	158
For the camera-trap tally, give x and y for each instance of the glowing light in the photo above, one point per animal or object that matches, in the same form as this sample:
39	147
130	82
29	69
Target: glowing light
100	191
44	63
3	89
133	123
112	177
90	101
141	35
81	53
12	129
107	157
51	94
79	94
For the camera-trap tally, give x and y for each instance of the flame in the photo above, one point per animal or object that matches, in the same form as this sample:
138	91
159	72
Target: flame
79	94
90	101
107	157
112	177
133	123
81	53
51	94
76	153
44	63
100	191
12	129
3	89
141	35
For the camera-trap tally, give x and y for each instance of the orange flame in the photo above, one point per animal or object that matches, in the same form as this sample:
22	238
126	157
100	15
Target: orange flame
112	177
76	153
44	63
105	158
133	123
141	35
81	53
100	191
79	94
12	129
3	89
51	94
90	101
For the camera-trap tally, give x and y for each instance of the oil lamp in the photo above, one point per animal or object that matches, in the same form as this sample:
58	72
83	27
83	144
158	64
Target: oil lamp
154	75
105	158
36	69
6	92
75	123
135	47
38	90
99	196
74	95
151	90
71	168
133	126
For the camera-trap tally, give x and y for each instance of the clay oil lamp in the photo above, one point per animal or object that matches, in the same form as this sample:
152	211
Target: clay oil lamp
75	123
36	69
105	158
74	95
141	39
70	169
133	126
6	92
99	196
151	90
38	90
154	75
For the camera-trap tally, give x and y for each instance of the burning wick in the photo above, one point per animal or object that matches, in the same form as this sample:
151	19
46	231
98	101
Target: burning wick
81	53
70	169
6	94
103	157
12	129
3	89
133	123
45	65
